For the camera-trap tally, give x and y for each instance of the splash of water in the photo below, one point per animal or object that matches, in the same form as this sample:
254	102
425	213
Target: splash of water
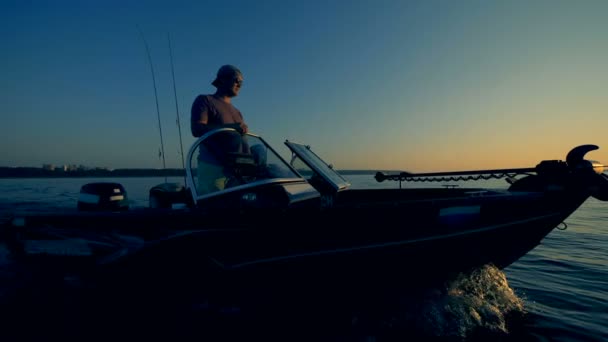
479	302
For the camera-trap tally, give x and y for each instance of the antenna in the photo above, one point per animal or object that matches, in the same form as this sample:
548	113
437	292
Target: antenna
162	146
179	127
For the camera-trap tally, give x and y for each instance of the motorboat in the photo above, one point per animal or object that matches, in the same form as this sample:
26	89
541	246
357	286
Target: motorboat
249	218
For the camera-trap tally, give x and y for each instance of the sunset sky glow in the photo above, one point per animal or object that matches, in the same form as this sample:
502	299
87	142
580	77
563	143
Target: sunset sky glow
401	85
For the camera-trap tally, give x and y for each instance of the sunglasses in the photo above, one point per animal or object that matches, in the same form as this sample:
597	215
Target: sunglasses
237	81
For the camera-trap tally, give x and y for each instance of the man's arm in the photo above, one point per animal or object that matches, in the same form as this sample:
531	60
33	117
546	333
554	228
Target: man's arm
199	117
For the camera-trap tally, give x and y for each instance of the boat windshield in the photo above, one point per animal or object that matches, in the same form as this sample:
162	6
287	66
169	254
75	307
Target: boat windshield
224	159
310	165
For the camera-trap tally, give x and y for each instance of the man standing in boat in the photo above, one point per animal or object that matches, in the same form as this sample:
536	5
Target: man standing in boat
210	112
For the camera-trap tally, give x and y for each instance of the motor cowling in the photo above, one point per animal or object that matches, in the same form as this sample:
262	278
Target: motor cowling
103	196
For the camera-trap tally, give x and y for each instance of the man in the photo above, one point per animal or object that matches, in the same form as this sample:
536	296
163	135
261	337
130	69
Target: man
210	112
215	111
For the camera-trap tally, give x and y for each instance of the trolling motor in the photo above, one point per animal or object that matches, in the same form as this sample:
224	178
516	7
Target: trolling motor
592	171
577	171
576	163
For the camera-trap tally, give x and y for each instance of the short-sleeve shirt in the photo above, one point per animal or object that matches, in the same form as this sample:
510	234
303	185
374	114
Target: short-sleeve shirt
218	112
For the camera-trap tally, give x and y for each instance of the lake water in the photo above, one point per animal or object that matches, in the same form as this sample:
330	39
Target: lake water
557	292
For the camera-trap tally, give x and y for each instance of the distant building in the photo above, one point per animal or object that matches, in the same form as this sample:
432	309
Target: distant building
48	167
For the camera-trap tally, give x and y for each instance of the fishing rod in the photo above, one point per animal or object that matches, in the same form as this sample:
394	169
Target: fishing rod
162	146
179	127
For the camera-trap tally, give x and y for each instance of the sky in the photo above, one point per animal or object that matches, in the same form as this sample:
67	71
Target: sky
421	86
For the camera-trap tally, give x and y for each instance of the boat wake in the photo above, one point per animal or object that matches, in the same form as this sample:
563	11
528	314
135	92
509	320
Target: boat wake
480	300
476	305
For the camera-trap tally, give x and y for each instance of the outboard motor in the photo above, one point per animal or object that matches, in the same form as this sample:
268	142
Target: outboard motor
103	197
165	195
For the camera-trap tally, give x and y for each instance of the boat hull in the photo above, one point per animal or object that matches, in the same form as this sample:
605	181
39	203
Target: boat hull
418	240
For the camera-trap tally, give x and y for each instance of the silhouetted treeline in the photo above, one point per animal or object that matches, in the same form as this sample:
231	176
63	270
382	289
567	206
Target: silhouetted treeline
34	172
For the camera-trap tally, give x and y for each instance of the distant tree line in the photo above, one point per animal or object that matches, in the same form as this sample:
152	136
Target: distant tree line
35	172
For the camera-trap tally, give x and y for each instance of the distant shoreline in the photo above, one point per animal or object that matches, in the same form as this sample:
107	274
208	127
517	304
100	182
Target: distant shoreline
33	172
